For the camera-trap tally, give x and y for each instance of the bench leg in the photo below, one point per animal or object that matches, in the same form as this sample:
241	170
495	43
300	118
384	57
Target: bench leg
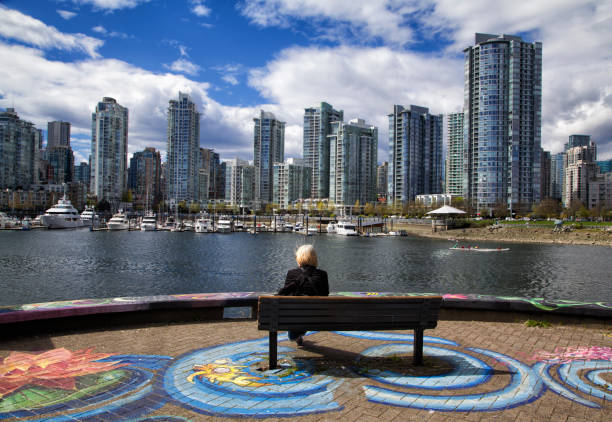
272	349
417	354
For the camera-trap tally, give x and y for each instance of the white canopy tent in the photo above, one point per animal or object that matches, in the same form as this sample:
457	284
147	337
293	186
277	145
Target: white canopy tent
444	212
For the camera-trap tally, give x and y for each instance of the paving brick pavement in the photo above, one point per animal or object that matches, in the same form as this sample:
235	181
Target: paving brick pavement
474	371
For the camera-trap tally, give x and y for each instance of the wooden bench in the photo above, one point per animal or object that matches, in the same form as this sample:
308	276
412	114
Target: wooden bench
341	313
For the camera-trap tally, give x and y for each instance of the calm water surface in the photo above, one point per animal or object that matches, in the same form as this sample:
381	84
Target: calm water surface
41	265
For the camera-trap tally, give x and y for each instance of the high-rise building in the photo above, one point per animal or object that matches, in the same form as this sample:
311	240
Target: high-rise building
239	183
502	122
556	176
268	148
600	191
454	154
605	166
183	159
577	141
109	148
353	161
144	177
81	173
545	177
317	125
58	134
291	182
580	168
60	167
415	153
210	162
382	180
20	144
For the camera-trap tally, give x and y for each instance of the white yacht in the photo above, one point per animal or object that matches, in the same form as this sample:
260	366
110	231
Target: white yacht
298	227
203	225
62	216
331	228
89	217
312	230
224	226
148	223
238	226
118	222
5	221
188	225
288	227
345	228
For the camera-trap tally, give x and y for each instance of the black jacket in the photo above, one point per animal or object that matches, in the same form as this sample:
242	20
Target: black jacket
305	281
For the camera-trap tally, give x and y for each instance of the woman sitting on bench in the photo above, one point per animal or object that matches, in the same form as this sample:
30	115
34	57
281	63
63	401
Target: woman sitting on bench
307	280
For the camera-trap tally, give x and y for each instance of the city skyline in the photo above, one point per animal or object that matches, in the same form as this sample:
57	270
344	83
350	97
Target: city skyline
286	59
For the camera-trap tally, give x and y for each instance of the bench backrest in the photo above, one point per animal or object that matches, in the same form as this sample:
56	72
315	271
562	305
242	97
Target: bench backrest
339	313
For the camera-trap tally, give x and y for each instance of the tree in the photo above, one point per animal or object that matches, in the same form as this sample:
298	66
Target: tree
573	208
500	210
548	208
127	196
369	209
194	208
320	207
182	207
583	213
103	206
269	209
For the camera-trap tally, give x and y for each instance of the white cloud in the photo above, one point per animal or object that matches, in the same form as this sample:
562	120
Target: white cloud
102	30
230	79
66	14
576	37
363	20
183	65
200	10
111	5
17	26
72	90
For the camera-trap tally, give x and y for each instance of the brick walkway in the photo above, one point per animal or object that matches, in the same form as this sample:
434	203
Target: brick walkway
216	370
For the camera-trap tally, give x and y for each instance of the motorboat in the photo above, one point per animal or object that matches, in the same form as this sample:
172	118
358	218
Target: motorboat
238	226
224	226
148	223
62	216
89	217
188	225
345	228
119	221
312	230
331	228
5	221
288	227
298	227
477	249
203	225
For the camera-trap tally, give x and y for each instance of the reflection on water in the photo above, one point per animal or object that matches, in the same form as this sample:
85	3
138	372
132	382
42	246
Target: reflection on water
43	265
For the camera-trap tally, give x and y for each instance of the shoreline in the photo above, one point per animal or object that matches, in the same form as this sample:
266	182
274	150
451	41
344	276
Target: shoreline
515	235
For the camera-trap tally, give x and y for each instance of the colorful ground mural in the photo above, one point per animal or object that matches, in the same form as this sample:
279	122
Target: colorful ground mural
35	311
232	380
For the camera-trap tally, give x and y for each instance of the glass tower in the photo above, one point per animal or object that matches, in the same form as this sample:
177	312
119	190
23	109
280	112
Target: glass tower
20	144
454	154
269	148
109	147
183	160
415	153
502	122
317	125
353	162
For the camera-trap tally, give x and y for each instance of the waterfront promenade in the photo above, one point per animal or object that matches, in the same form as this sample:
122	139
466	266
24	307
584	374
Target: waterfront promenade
129	359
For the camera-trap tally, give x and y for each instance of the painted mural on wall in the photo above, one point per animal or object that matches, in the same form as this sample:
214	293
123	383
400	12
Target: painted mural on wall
232	379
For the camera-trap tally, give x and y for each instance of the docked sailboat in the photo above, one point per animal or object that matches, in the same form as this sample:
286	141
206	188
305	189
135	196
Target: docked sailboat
62	216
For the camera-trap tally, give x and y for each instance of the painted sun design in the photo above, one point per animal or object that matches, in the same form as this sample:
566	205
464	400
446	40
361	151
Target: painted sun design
222	371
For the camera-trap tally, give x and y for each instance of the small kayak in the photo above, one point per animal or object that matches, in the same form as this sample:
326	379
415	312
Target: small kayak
477	249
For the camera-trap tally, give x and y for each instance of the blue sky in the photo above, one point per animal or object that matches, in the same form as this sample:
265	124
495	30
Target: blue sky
60	57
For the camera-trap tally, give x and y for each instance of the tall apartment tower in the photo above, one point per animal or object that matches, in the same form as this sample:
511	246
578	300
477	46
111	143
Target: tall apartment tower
58	134
382	177
317	125
454	154
556	176
353	162
183	148
415	153
20	144
502	122
268	148
291	182
580	167
545	175
577	141
145	177
109	148
239	183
